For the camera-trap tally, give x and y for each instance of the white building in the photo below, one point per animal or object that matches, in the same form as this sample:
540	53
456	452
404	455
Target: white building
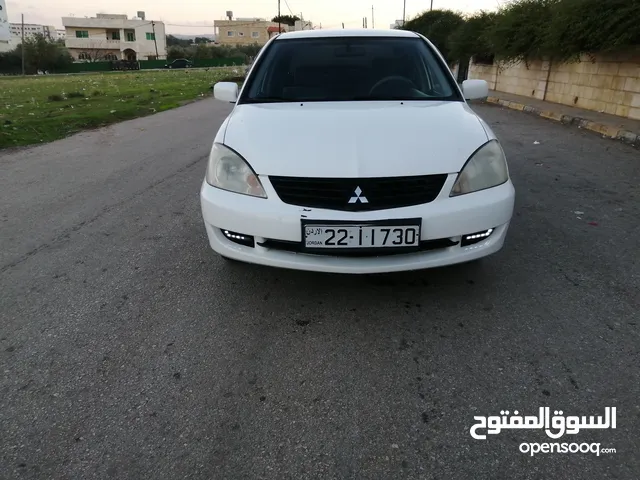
5	32
303	25
114	37
11	33
396	25
61	34
30	31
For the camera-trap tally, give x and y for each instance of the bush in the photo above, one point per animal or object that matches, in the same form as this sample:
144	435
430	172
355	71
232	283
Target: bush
588	26
533	29
75	95
11	62
519	30
55	98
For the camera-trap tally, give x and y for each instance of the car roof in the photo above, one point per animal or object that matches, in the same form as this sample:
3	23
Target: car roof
363	32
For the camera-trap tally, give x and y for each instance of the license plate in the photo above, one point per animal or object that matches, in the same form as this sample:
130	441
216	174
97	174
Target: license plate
404	235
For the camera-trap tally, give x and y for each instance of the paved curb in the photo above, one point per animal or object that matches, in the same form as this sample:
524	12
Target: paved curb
605	130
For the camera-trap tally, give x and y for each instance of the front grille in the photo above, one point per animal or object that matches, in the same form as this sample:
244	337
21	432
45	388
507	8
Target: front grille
297	247
358	194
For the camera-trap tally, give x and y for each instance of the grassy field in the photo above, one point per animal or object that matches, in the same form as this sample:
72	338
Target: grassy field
45	108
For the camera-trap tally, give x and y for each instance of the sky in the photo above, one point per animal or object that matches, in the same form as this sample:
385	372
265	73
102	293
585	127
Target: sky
197	16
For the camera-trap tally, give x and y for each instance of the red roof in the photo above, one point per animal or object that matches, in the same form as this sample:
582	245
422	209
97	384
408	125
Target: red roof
275	29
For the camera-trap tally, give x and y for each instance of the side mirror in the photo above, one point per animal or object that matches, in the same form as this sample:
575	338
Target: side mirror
475	89
226	91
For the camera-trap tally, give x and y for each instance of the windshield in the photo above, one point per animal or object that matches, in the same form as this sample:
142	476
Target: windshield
349	69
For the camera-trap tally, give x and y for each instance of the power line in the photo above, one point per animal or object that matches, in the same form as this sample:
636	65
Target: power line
288	7
209	26
343	24
192	26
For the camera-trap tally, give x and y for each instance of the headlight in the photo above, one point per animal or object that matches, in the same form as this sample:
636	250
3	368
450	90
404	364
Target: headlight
486	168
229	171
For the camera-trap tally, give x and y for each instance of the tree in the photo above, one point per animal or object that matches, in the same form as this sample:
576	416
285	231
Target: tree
286	19
202	40
203	51
95	52
175	41
437	26
174	52
470	38
45	55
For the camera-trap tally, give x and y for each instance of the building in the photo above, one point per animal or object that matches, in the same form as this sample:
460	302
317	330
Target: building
303	25
398	24
11	33
61	34
246	31
114	37
30	31
5	32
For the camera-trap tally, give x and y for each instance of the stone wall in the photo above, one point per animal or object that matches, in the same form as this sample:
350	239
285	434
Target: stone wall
605	83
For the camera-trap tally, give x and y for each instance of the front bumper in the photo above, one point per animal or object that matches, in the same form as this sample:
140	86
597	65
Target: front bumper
444	218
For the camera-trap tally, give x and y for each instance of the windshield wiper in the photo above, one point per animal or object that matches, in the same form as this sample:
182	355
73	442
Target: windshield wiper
268	100
401	98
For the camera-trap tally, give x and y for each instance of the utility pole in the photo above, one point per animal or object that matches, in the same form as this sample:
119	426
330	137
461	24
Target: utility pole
153	27
431	5
373	22
23	44
343	25
279	17
404	13
301	21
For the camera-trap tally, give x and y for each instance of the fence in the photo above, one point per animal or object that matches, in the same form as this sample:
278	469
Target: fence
150	64
608	83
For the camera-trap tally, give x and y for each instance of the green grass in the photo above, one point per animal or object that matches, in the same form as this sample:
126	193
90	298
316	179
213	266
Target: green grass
45	108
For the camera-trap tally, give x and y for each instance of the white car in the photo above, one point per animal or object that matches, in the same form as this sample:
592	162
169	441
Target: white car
354	152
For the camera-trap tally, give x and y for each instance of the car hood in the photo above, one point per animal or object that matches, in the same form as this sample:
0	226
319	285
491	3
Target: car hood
355	139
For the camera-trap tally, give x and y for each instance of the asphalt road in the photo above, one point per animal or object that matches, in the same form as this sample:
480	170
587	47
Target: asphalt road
129	350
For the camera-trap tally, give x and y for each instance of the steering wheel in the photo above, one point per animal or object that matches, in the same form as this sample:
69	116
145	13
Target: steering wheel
393	79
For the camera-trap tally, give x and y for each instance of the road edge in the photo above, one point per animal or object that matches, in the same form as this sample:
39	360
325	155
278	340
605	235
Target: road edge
606	130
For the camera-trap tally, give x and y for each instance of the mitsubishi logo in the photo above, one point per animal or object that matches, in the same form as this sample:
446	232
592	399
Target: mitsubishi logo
358	196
